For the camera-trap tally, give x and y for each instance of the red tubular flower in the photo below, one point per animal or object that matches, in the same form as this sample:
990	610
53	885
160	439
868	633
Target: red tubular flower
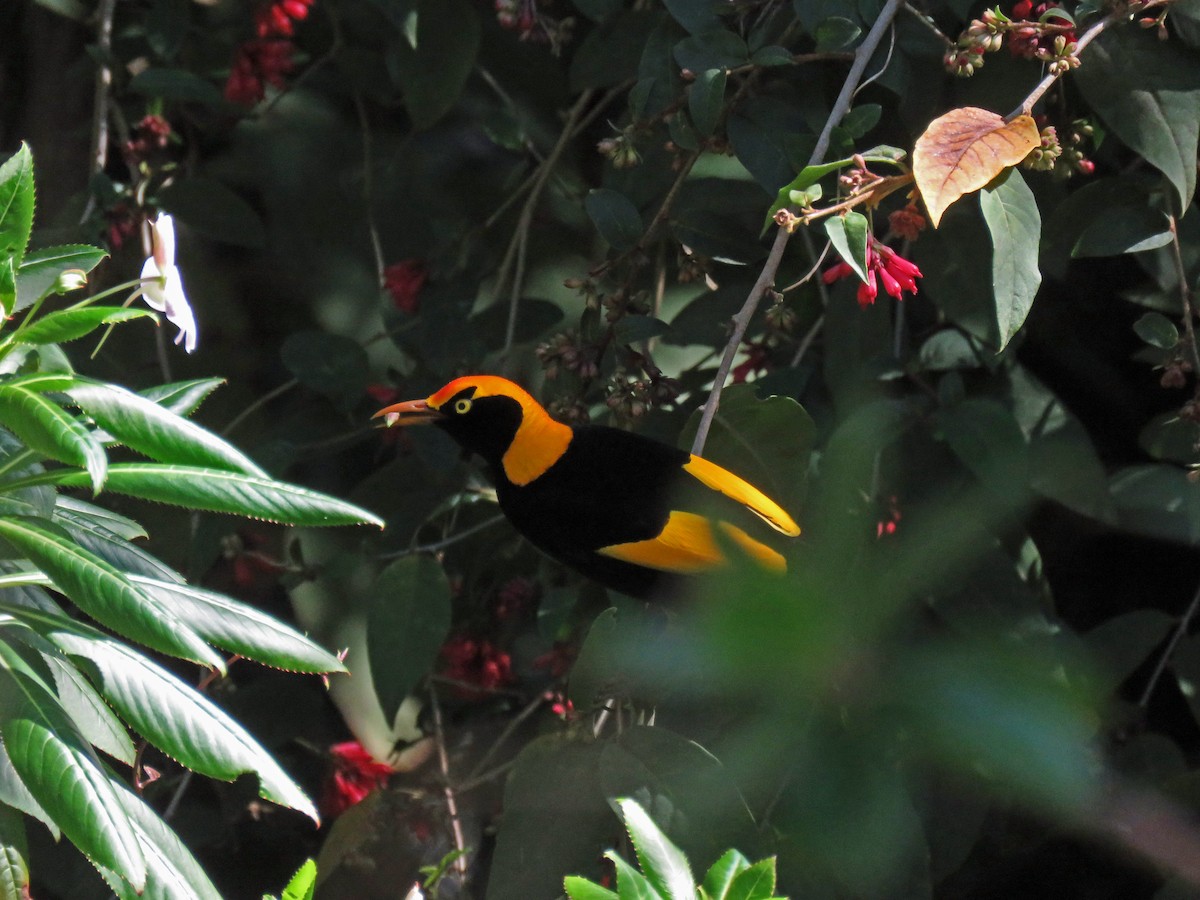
404	281
883	265
355	774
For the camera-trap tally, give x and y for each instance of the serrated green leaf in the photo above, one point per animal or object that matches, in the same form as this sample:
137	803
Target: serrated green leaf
102	592
50	430
171	871
579	888
721	874
69	324
407	622
223	492
61	770
631	884
756	882
1157	330
665	865
615	217
113	548
706	99
849	235
239	628
154	431
83	512
182	397
40	270
168	712
1012	218
87	709
14	869
16	207
303	884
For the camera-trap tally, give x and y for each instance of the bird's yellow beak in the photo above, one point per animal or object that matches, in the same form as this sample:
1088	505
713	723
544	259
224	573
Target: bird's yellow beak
410	412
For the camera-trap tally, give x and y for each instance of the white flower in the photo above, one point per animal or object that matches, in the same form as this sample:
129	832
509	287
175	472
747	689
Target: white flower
162	285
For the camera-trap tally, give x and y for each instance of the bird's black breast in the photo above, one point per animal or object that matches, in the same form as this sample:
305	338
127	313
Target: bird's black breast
609	487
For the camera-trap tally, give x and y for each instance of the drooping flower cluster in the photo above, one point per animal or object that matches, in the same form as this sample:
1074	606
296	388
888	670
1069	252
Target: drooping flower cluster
355	774
1029	31
150	135
884	265
267	57
472	662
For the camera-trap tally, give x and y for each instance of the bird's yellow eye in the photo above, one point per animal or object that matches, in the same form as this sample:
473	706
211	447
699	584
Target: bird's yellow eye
463	406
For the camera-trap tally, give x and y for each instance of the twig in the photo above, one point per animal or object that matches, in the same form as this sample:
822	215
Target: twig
99	157
1185	294
450	541
1165	656
530	708
460	862
766	277
368	185
259	404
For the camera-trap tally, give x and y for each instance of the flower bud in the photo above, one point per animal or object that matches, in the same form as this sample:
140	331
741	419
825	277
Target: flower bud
70	280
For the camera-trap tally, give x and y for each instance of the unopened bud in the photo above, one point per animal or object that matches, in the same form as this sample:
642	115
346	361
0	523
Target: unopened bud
70	280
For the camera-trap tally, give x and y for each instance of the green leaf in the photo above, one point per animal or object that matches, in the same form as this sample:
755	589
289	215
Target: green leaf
1133	230
303	884
771	55
631	328
176	84
97	723
112	547
615	217
862	119
706	99
694	15
330	364
986	437
434	73
836	33
1147	92
62	771
718	49
50	430
238	627
1120	645
407	621
84	513
154	431
754	883
14	869
102	592
720	874
223	492
631	884
168	712
8	286
617	48
1158	500
214	211
38	274
69	324
182	397
849	235
171	871
1012	218
534	318
579	888
1157	331
16	207
665	866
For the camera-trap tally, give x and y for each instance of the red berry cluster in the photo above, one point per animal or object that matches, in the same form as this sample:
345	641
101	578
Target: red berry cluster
149	136
473	662
883	263
267	57
404	281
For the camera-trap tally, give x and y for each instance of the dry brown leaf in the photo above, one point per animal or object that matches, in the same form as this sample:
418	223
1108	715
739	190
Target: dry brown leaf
963	150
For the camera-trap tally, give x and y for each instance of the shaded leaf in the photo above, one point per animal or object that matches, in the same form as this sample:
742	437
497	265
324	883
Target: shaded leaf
1015	225
176	84
694	15
963	150
407	621
50	430
1157	330
1158	500
706	99
214	211
14	870
615	217
433	72
630	329
716	49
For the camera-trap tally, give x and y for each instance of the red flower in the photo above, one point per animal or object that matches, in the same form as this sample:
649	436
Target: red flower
883	265
557	662
267	58
404	280
908	222
514	597
475	663
355	774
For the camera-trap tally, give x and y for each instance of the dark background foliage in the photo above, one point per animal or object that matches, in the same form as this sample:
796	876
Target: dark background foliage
985	661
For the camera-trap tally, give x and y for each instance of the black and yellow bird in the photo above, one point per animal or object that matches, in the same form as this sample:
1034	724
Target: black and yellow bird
626	510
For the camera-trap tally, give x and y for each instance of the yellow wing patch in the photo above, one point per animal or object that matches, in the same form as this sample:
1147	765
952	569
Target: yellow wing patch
713	476
686	546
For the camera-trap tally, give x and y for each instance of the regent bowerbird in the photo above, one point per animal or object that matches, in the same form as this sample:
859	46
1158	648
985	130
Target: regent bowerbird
630	512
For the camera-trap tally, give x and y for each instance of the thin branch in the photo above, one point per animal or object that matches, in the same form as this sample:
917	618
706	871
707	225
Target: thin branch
460	862
450	541
767	276
509	730
100	101
368	185
259	404
1185	294
1165	657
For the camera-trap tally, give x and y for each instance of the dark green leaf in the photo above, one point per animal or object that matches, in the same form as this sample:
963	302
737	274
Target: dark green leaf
102	592
1015	225
597	10
14	868
176	84
694	15
630	329
39	273
1120	646
1148	92
534	318
433	74
1157	331
615	217
772	55
614	49
658	79
719	49
706	99
154	431
333	366
97	723
70	324
50	430
862	119
214	211
836	33
1133	230
1158	500
407	622
986	437
16	207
